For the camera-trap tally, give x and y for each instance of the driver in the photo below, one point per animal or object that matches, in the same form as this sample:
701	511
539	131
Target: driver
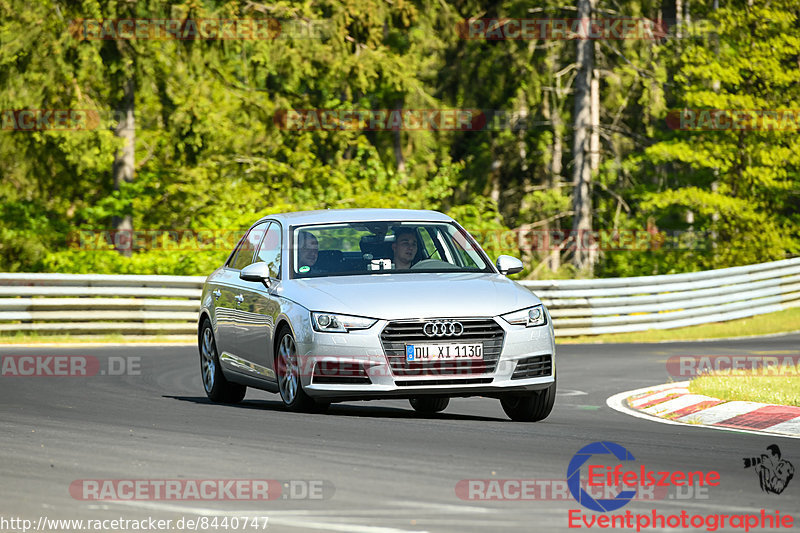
308	250
404	247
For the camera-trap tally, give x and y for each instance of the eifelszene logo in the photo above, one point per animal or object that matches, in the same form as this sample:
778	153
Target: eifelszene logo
609	465
574	477
617	476
773	472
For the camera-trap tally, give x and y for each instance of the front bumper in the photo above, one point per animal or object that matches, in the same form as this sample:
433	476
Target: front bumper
362	354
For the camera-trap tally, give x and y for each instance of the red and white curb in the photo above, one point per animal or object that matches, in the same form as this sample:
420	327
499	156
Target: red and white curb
673	404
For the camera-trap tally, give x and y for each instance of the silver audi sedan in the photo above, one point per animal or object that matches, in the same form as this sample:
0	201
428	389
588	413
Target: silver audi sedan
360	304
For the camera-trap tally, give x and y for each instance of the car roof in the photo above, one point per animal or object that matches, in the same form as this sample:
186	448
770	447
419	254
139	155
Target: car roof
325	216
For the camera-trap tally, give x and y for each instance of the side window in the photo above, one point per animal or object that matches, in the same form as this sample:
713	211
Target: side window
270	250
431	252
244	255
443	246
467	255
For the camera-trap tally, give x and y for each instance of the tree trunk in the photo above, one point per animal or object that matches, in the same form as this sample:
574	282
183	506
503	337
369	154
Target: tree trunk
552	113
594	143
494	177
398	143
594	148
581	149
123	168
520	122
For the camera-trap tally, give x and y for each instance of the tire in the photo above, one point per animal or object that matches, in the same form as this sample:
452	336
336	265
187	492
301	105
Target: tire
429	404
217	387
286	369
531	407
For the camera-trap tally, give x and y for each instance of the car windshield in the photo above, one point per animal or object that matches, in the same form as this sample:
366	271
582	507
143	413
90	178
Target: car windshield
383	247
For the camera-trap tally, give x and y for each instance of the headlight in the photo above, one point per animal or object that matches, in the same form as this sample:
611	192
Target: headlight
530	317
331	323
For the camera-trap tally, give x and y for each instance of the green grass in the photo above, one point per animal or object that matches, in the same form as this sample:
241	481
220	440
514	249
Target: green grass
40	338
779	322
781	386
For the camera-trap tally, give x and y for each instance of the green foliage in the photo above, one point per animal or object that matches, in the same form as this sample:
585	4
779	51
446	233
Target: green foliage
483	221
210	154
738	188
173	262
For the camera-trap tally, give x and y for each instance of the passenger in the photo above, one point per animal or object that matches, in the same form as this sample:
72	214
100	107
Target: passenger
308	251
404	247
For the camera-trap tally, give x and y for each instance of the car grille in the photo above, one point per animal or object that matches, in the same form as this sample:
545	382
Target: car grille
398	333
533	367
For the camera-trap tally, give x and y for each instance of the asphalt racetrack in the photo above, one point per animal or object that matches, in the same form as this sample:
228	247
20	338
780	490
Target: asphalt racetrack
371	467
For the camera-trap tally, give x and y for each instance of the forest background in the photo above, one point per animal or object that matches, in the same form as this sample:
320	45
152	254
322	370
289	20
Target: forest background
180	143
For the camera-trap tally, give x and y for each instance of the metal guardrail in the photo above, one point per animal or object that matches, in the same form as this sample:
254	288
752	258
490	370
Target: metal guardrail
99	304
168	305
620	305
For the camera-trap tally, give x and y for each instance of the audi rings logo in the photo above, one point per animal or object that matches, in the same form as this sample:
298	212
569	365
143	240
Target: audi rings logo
443	329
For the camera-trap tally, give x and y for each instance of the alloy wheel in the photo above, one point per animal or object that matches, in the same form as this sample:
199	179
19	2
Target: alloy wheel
208	361
288	379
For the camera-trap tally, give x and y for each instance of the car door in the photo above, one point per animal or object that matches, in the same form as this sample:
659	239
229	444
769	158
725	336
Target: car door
221	289
230	296
260	307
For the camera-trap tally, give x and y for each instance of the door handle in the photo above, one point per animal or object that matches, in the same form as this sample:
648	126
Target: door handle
217	293
239	298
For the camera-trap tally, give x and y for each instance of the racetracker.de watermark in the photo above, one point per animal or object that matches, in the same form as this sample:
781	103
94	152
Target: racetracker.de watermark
420	361
73	366
691	366
380	119
616	28
241	29
404	120
200	489
734	119
558	490
155	239
48	119
520	239
607	240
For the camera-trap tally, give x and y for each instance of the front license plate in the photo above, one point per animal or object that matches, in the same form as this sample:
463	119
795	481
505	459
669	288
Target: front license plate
443	352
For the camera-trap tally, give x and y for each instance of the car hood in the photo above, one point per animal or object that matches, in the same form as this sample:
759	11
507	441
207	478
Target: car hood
396	296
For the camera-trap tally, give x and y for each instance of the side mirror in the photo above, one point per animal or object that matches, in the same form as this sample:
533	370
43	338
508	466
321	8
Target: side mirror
256	272
507	265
